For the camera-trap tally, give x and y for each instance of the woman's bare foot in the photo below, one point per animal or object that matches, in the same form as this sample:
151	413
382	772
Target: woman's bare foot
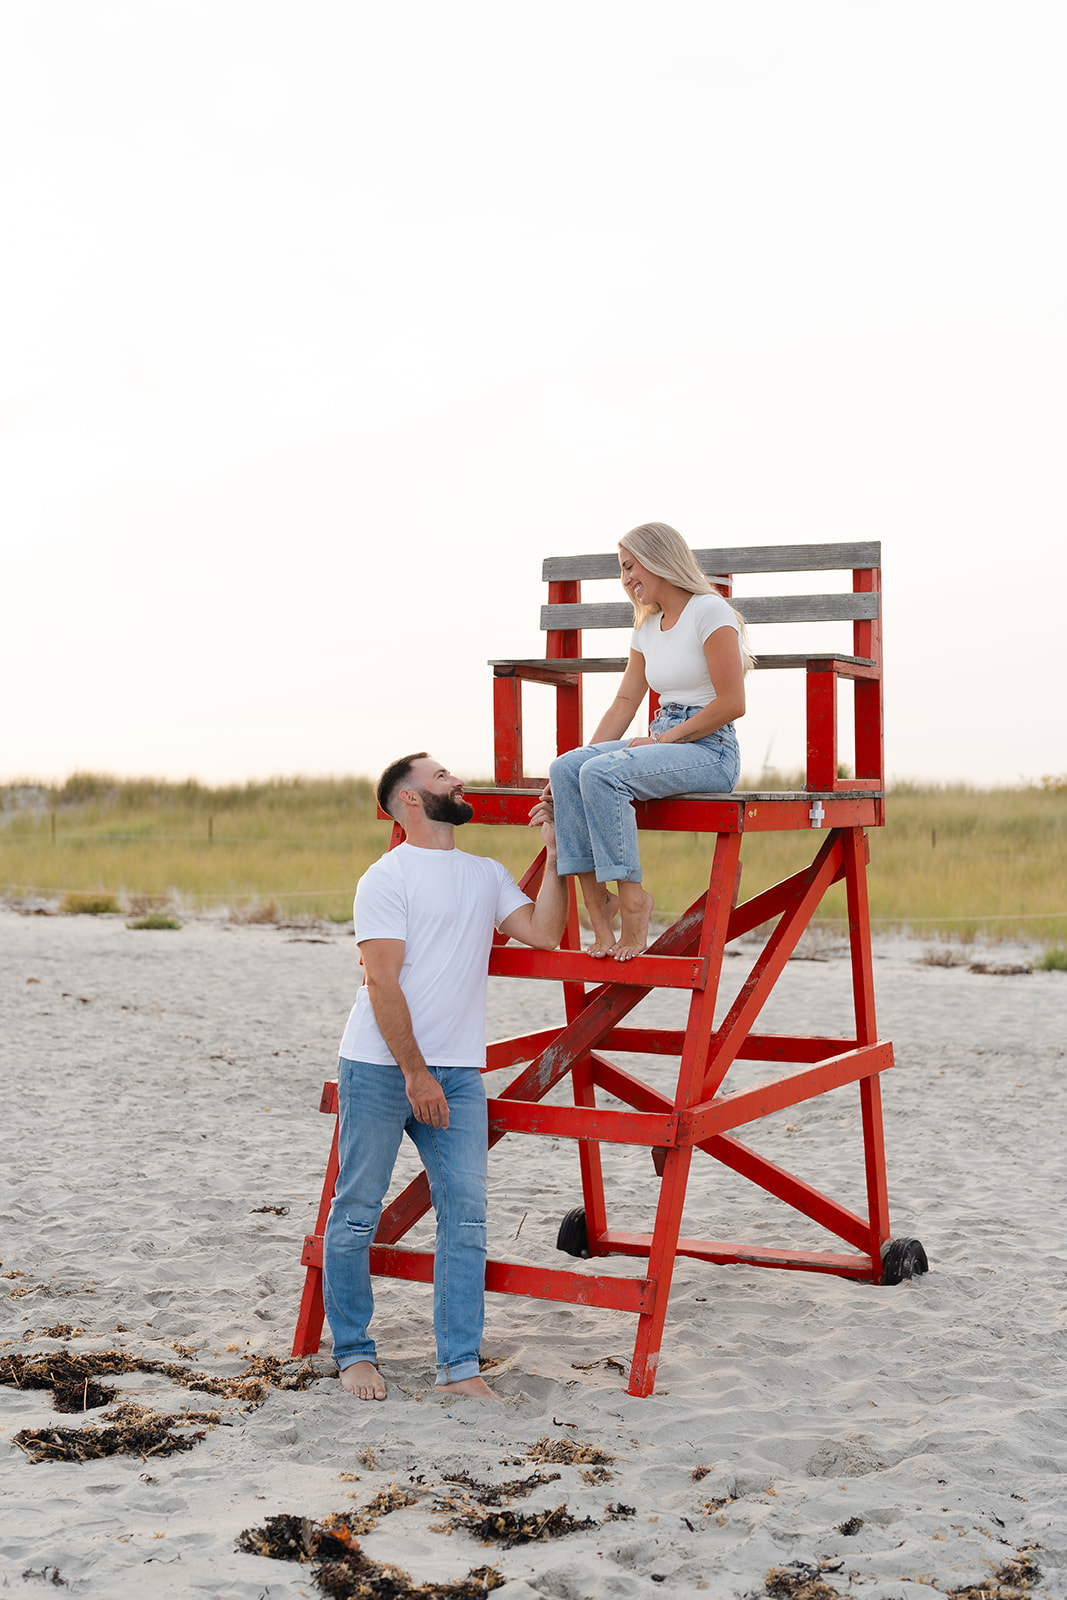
475	1386
637	905
601	906
363	1380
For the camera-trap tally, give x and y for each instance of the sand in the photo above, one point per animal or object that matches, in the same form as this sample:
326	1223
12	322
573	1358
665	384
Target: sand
160	1088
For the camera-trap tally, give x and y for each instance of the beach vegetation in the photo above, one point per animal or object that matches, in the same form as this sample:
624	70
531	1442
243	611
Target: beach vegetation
952	862
93	904
1054	959
154	920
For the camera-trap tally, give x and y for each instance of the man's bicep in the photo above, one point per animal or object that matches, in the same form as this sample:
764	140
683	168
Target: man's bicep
382	958
517	925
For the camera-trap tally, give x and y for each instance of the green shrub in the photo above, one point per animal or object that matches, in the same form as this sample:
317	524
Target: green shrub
1054	959
154	920
91	904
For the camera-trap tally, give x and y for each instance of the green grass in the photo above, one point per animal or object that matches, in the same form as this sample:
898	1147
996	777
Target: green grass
154	921
951	861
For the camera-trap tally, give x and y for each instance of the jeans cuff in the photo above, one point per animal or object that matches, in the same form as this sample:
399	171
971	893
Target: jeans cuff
458	1371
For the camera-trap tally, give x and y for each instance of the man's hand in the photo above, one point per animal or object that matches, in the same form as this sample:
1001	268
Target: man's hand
543	816
427	1097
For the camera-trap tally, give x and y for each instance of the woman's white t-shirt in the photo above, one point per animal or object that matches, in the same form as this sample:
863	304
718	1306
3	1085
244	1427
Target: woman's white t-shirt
444	904
675	664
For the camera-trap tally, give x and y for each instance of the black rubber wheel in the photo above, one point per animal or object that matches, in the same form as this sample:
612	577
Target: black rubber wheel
903	1258
573	1235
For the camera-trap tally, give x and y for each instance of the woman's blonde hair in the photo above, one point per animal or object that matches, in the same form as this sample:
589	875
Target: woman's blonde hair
661	549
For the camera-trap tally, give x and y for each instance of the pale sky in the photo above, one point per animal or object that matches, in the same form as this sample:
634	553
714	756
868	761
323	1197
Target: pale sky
322	323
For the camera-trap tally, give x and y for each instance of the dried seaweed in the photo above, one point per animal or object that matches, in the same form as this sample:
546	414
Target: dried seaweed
799	1581
290	1538
64	1372
1010	1582
344	1572
149	1435
357	1577
491	1494
367	1517
511	1528
568	1453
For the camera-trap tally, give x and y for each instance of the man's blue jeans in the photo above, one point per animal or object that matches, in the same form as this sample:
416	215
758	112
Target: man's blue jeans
594	787
374	1112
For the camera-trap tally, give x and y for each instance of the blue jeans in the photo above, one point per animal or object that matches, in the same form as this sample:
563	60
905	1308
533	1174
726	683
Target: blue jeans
594	786
374	1112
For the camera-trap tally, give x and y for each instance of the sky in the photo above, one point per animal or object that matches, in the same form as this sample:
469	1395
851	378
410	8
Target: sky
323	323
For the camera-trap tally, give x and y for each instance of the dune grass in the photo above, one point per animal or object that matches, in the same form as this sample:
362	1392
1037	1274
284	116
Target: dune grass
951	861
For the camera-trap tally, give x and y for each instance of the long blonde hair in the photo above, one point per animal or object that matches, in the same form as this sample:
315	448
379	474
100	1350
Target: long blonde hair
661	549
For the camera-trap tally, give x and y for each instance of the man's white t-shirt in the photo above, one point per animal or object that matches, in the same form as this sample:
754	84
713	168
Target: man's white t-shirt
444	904
675	663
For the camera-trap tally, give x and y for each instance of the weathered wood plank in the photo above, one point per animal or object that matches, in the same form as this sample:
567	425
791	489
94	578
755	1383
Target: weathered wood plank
754	608
764	663
743	558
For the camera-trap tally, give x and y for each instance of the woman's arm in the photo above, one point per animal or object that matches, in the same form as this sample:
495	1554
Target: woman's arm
723	656
619	715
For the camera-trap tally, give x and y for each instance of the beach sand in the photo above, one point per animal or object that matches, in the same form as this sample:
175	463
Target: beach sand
161	1088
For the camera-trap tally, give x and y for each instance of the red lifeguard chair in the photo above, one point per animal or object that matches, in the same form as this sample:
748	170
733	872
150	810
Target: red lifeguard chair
702	1115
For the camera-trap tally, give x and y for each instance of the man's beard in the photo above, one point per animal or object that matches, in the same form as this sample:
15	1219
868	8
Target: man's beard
446	808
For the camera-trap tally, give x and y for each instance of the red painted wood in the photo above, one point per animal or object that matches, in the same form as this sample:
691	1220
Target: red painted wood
507	720
563	645
749	1105
581	1122
870	748
728	1255
821	689
589	1161
540	1283
756	989
644	972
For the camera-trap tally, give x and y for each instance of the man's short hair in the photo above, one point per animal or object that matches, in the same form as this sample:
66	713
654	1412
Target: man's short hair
393	778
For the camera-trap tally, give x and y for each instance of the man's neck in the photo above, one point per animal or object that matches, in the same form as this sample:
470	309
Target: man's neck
427	835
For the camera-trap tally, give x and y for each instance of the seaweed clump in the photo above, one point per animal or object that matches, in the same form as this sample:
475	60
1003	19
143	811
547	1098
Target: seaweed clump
510	1528
799	1581
344	1572
71	1376
491	1494
134	1431
568	1453
1010	1582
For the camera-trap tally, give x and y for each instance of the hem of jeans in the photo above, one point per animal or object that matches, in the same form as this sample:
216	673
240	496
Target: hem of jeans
614	874
458	1371
566	869
348	1358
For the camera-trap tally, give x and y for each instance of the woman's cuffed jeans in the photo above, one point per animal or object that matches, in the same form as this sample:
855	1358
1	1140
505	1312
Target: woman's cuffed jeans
373	1114
594	787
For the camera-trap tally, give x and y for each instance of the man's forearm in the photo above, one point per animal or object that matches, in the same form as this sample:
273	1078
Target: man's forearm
550	908
394	1024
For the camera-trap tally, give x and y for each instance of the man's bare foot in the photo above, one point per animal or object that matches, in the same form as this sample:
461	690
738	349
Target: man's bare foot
637	906
363	1380
475	1386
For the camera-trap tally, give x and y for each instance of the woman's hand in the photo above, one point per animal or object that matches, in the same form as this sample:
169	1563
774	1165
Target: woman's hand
633	744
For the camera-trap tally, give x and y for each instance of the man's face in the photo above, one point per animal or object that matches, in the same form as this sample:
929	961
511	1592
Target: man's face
441	792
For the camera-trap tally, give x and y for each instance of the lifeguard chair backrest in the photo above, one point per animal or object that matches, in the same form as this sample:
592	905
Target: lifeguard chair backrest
565	616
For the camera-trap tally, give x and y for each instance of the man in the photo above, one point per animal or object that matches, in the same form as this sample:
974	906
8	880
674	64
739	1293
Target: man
411	1057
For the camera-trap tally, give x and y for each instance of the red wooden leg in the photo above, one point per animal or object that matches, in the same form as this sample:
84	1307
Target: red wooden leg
312	1311
660	1269
596	1219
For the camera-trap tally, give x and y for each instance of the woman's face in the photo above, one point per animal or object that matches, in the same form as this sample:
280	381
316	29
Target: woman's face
639	583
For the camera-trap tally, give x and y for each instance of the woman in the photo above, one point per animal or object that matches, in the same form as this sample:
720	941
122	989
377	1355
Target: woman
690	646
